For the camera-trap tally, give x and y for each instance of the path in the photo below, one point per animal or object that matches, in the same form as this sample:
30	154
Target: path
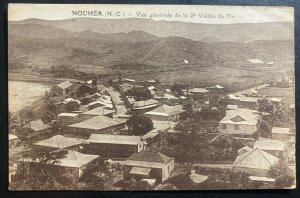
152	49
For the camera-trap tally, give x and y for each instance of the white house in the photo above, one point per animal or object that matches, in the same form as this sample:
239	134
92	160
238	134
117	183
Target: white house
274	147
239	122
283	134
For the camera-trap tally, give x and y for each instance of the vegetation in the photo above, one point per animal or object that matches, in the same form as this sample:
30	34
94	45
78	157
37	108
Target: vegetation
284	177
139	93
72	106
139	124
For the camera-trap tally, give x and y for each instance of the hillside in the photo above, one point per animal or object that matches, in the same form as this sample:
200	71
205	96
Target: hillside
194	31
140	54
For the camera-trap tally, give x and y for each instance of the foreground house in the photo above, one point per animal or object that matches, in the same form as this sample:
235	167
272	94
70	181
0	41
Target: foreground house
165	113
114	146
73	164
67	118
98	111
148	165
13	140
255	162
239	122
271	146
97	124
58	142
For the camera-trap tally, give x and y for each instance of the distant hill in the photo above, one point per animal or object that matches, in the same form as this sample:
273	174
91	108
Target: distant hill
194	31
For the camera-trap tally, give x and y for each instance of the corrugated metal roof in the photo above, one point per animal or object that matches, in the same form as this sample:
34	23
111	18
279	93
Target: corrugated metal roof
114	139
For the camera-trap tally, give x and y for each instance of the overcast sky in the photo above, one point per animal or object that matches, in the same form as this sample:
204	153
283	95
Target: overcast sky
230	14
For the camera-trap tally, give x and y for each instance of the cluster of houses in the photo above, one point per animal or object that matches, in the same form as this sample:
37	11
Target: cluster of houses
98	131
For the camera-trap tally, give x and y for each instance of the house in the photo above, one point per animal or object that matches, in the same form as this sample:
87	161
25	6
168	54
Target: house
98	111
232	107
145	105
67	118
148	165
13	140
216	88
97	124
37	128
274	147
242	101
166	97
239	122
58	142
158	127
114	146
255	162
196	92
73	164
63	89
87	89
255	61
283	134
165	113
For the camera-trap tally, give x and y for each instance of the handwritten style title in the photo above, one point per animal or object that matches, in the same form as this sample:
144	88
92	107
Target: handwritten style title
152	15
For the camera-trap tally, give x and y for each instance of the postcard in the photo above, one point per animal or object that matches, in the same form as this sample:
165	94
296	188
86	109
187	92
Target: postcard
151	97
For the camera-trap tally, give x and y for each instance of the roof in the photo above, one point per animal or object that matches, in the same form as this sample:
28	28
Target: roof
216	87
67	115
165	110
140	171
150	156
101	103
65	85
71	100
114	139
12	137
59	141
166	96
245	148
129	80
269	144
275	99
279	130
99	111
255	61
255	159
38	125
198	178
76	159
232	107
240	116
198	90
263	179
96	123
151	88
145	104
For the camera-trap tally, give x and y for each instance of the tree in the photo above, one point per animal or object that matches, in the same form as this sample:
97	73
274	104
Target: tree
72	106
181	182
283	175
26	115
12	121
264	129
177	88
166	186
139	124
265	105
133	184
50	110
139	93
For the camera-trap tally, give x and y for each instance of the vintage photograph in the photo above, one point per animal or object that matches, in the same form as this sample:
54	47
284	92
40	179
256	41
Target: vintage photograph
150	97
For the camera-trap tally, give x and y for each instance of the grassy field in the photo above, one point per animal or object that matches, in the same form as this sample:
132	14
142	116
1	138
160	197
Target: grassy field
286	94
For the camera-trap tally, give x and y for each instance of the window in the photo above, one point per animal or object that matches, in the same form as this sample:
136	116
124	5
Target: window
223	126
236	127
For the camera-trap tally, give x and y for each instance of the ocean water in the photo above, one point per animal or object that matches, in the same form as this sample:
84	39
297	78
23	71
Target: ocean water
22	94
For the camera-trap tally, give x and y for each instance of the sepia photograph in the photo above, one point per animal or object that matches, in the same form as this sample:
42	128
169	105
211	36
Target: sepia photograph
116	97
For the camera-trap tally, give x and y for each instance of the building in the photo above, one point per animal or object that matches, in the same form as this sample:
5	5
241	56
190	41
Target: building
196	92
148	165
283	134
97	124
274	147
255	162
67	118
165	113
63	89
145	105
37	128
99	103
242	101
73	164
13	140
239	122
58	142
114	146
98	111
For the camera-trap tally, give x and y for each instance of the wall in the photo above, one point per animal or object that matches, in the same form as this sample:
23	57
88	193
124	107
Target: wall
243	129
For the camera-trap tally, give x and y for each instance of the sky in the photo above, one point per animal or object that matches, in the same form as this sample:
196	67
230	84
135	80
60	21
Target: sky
184	13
